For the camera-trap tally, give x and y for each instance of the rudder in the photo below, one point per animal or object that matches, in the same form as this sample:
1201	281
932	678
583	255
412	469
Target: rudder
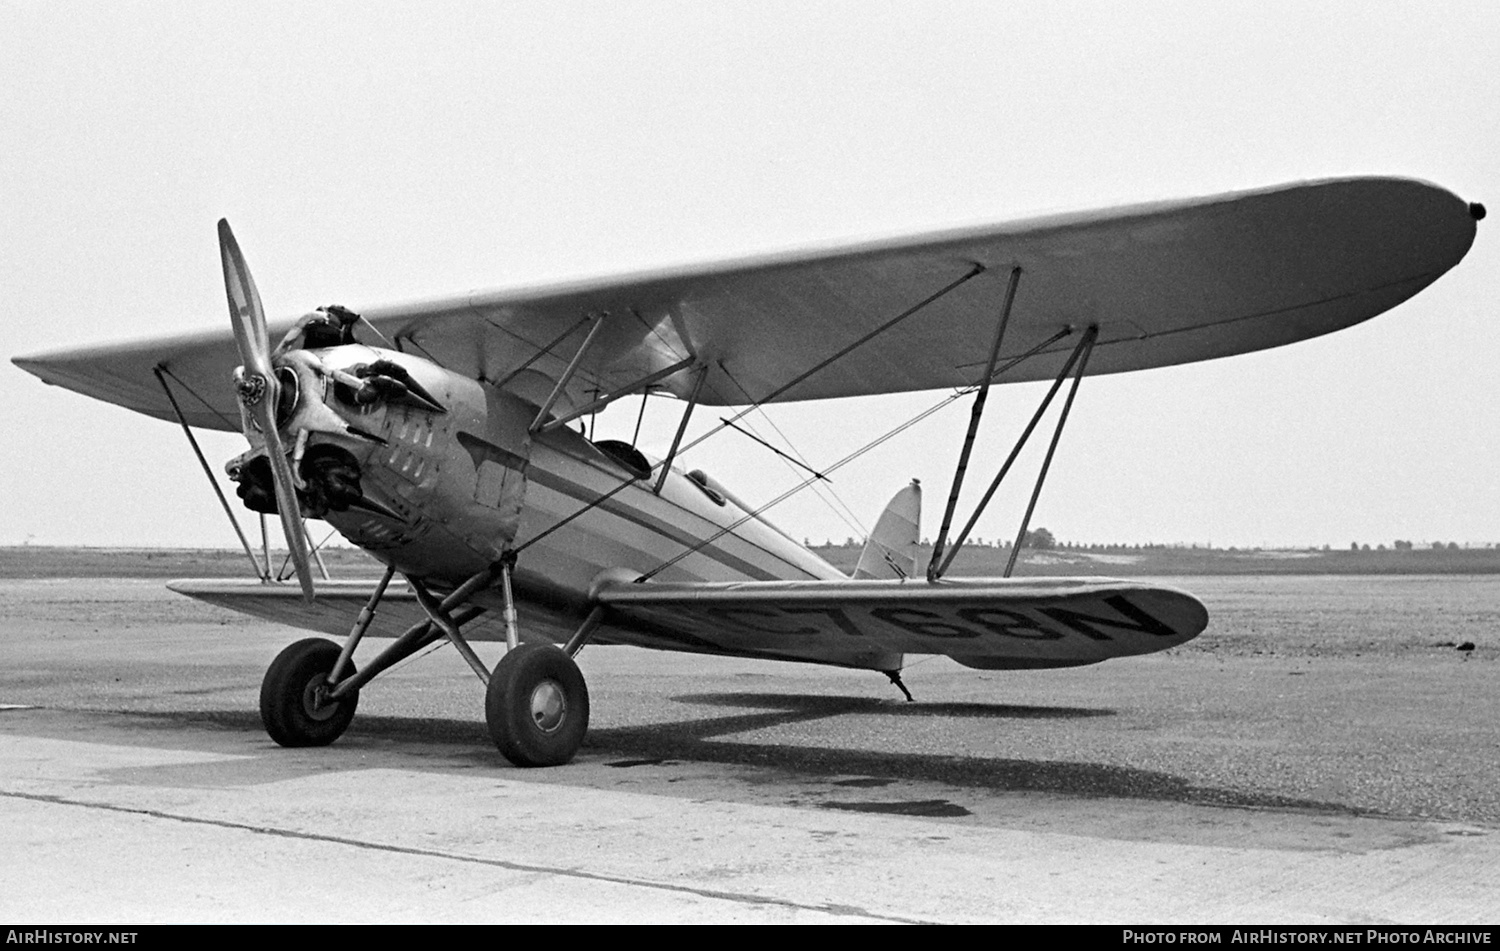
891	550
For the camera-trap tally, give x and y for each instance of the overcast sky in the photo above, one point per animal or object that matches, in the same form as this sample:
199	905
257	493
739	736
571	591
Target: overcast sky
367	152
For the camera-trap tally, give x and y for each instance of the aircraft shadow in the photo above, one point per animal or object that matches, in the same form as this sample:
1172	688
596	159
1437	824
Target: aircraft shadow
707	740
426	730
698	741
820	705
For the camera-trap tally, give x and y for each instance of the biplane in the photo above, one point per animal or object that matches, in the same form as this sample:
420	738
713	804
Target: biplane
438	436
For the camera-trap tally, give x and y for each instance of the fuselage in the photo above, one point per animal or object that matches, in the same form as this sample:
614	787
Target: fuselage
470	483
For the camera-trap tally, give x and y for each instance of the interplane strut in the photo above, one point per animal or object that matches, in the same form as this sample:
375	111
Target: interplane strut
263	572
1086	347
985	382
1080	353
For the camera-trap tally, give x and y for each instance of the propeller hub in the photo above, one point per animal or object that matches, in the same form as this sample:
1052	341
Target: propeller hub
251	388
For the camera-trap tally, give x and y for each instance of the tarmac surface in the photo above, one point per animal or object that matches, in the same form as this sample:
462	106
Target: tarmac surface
1345	774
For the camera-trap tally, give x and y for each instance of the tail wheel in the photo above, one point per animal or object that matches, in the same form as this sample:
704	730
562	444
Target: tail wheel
537	706
294	704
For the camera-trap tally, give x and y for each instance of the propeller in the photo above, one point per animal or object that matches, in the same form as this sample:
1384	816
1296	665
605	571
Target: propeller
259	391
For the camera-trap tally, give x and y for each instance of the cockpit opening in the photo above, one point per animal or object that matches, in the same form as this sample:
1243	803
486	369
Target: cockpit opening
626	455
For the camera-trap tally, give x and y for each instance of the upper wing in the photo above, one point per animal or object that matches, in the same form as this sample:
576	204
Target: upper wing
1167	283
987	623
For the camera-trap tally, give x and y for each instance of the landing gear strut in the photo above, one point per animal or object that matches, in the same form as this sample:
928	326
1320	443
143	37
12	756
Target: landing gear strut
536	703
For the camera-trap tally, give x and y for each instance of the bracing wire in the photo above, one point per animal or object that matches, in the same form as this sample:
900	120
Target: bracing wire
973	272
281	573
826	493
946	401
956	395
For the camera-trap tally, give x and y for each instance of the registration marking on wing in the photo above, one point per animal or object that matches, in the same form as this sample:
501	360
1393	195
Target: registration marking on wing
1047	622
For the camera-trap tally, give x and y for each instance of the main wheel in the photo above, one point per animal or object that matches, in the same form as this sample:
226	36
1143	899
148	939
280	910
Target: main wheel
294	705
537	706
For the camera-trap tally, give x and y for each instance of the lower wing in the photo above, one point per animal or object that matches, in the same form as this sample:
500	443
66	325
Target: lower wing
984	623
1015	624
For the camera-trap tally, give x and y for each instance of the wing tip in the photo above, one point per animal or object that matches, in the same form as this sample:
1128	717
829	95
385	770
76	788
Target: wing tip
31	364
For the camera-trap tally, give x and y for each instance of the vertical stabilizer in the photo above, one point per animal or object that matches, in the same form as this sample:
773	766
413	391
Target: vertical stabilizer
891	551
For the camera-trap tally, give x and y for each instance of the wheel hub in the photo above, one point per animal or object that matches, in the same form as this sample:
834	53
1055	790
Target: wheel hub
549	707
315	702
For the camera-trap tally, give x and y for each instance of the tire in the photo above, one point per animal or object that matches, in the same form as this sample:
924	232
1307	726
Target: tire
289	705
537	706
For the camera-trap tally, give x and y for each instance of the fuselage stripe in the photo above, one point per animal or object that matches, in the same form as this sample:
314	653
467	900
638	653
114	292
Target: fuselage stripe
582	494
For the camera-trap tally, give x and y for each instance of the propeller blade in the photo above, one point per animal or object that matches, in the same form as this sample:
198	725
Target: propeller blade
249	321
286	497
245	312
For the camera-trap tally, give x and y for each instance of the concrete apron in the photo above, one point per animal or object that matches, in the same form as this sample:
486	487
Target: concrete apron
141	833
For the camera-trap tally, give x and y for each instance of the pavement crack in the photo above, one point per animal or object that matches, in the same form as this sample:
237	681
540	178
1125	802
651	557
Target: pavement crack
743	898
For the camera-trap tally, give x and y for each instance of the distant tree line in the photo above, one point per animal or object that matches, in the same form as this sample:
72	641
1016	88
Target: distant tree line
1402	545
1041	539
